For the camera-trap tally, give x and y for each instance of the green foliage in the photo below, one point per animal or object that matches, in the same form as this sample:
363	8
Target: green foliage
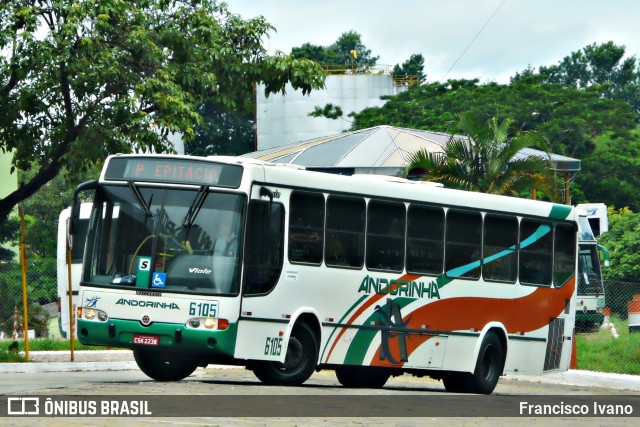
81	80
222	132
414	66
570	119
623	242
486	164
41	289
44	344
340	53
9	352
329	111
600	66
601	352
611	173
9	234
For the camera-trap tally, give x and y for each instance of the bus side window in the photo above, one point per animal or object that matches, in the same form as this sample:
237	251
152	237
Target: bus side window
463	244
563	254
536	253
500	258
306	227
345	232
425	240
264	250
385	236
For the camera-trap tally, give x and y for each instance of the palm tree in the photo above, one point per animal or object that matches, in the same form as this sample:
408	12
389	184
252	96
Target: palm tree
483	160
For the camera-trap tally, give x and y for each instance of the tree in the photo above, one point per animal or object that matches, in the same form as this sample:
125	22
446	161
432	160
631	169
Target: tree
340	54
222	132
603	65
571	120
9	234
568	118
82	79
483	160
414	66
611	173
623	242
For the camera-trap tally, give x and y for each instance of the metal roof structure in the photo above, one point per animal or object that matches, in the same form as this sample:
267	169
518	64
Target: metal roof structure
379	150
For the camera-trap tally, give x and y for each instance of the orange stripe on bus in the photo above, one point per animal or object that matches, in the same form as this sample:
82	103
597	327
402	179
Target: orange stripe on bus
524	314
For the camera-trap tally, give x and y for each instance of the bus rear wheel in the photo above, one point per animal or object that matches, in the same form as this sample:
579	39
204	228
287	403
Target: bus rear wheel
164	366
362	376
299	363
489	367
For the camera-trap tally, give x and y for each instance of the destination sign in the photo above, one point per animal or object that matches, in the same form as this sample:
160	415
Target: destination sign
173	170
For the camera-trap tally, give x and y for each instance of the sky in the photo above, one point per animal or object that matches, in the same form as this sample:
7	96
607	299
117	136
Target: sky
486	39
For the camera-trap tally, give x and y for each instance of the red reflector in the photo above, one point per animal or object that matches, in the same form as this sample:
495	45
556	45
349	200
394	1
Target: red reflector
223	324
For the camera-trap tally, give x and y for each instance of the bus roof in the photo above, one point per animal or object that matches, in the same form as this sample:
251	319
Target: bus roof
380	186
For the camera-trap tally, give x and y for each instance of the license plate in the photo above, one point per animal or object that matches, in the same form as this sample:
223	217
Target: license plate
146	339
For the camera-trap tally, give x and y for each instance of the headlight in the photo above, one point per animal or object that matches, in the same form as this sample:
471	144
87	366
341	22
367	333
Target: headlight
93	314
207	323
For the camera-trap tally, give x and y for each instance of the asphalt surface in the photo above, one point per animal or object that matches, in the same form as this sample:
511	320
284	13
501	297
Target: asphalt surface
122	360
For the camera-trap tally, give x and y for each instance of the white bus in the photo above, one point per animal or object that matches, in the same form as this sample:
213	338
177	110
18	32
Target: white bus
77	251
597	216
590	300
234	261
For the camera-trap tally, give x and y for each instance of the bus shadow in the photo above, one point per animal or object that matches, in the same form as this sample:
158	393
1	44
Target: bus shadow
401	389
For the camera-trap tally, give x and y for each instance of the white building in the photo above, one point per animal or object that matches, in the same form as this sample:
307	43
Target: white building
284	119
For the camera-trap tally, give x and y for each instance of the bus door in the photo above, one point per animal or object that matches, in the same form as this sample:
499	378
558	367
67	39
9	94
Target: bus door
261	331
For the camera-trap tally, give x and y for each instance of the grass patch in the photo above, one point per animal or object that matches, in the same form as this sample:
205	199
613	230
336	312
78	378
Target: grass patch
43	344
601	352
9	352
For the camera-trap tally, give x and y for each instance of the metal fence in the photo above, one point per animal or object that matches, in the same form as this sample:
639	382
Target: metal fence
612	342
42	297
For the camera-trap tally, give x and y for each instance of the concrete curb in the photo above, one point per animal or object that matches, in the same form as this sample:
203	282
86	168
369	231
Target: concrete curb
31	368
122	360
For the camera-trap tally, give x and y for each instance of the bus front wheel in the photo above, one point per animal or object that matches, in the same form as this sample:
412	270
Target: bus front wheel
488	369
162	366
299	363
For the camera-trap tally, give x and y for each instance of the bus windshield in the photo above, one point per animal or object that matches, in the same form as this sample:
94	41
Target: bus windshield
589	275
168	239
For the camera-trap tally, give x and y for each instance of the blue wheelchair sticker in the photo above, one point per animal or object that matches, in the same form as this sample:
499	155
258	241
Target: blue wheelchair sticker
159	280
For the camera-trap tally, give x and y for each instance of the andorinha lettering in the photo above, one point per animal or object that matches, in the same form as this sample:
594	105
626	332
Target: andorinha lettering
150	304
399	287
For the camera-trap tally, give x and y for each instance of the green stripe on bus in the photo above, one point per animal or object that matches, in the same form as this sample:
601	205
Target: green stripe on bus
356	304
362	340
560	211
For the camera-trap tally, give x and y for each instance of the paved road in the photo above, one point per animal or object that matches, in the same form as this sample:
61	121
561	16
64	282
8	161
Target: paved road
89	378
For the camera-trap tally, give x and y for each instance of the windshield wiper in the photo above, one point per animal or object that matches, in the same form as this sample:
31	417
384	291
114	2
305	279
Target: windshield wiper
140	199
195	207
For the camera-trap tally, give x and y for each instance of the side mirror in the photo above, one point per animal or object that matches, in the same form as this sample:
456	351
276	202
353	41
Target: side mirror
75	208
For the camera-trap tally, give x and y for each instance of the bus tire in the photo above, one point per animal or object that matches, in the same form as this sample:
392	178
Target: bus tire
300	360
164	366
362	376
489	367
